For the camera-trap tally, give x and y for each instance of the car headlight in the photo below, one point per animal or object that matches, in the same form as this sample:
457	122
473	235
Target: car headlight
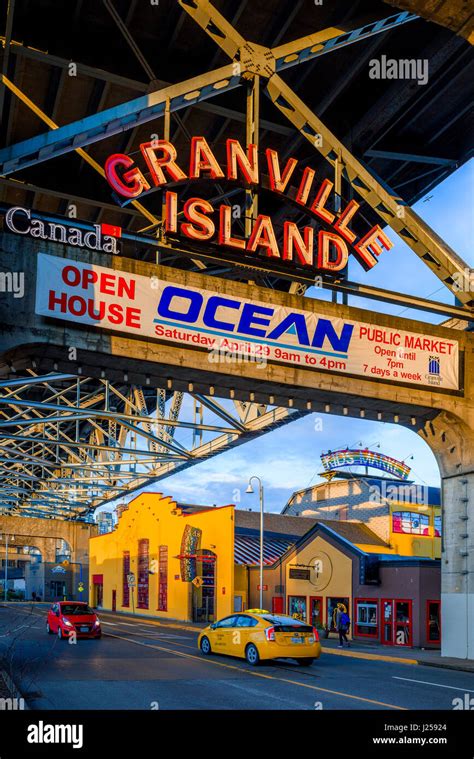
97	623
67	622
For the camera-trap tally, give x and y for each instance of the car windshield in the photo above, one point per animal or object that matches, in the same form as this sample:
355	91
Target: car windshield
76	609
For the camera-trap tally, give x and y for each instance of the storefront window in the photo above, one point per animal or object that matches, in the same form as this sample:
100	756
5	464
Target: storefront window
410	523
366	613
297	607
437	526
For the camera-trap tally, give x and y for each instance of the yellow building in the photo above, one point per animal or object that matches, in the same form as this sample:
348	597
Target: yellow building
148	563
193	563
405	515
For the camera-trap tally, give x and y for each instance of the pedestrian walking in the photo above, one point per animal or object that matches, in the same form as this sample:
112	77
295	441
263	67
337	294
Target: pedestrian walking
343	624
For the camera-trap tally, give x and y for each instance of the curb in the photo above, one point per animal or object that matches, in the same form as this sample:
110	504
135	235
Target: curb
442	665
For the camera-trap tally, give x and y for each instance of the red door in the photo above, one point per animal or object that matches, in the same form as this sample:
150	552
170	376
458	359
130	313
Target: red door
316	611
277	605
114	600
433	622
397	622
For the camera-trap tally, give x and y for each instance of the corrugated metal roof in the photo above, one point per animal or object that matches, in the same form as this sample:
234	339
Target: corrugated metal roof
247	549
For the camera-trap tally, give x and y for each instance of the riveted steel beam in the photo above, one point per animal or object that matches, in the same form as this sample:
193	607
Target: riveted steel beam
117	119
429	247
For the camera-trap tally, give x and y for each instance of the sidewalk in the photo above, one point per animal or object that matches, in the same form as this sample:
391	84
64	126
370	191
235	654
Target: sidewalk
377	651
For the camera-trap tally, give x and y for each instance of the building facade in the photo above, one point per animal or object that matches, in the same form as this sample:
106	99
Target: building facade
391	599
198	564
405	515
166	561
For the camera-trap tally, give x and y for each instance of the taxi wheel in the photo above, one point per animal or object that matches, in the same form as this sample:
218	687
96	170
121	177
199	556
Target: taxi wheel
48	629
305	662
60	633
252	655
206	646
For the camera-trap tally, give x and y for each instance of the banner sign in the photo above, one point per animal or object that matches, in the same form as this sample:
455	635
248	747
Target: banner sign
334	460
188	316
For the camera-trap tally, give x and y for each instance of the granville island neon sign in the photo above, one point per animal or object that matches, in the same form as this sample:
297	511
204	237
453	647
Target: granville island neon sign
202	222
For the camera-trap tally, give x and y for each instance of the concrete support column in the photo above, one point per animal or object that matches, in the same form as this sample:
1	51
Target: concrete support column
457	567
451	438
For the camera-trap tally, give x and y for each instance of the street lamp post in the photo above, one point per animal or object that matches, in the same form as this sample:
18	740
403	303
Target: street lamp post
260	490
5	580
6	568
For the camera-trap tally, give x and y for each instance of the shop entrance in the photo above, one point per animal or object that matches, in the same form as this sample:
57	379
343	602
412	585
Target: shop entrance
204	587
316	611
58	590
433	622
397	622
97	591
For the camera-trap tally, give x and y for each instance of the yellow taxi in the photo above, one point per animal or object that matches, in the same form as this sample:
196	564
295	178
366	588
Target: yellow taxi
257	635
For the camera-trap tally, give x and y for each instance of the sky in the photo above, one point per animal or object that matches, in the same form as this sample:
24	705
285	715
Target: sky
288	459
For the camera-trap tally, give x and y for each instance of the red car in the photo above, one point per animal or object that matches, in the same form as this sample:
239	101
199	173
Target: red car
65	617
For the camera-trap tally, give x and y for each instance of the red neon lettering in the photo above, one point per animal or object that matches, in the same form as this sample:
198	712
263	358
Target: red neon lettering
292	241
167	161
225	225
132	182
203	159
318	206
371	246
278	183
263	235
325	241
344	219
237	159
200	226
305	186
171	211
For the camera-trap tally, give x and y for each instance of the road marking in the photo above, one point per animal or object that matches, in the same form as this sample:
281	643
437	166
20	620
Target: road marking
437	685
112	624
168	625
257	674
373	657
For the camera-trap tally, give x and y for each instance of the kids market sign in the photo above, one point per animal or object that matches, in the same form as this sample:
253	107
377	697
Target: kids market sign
328	250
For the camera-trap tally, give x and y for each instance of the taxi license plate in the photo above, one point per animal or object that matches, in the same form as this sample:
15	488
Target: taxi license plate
84	629
297	640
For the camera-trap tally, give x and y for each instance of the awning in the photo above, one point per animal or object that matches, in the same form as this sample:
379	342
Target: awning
247	549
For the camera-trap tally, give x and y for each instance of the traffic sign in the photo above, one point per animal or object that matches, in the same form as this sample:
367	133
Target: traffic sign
197	582
131	580
80	587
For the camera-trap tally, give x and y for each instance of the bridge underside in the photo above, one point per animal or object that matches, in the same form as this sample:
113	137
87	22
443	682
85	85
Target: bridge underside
411	134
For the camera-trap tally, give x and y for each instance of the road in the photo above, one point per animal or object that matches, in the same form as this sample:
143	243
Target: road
139	665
